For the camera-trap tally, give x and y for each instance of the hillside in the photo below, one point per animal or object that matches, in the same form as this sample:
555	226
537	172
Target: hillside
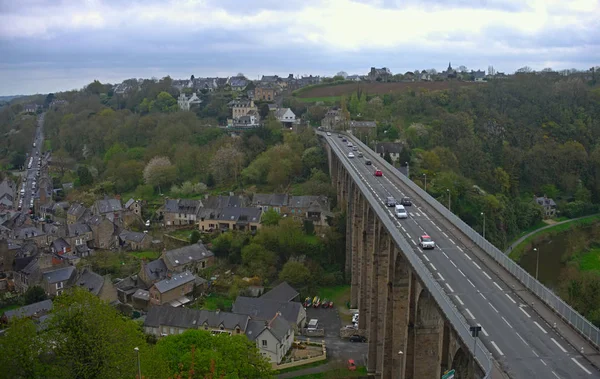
377	88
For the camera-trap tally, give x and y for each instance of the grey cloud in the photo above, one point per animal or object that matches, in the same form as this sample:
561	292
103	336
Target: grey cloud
500	5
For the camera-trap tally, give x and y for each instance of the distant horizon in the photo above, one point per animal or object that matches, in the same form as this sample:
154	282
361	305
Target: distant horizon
87	81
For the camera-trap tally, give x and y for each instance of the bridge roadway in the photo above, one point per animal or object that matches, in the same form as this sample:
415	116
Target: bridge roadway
522	343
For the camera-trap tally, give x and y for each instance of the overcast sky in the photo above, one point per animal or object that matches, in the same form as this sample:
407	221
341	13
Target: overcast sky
54	45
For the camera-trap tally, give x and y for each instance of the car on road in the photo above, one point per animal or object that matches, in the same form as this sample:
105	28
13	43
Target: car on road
349	144
344	139
426	242
378	173
357	338
350	155
328	134
401	211
340	136
406	201
390	201
354	148
368	162
360	155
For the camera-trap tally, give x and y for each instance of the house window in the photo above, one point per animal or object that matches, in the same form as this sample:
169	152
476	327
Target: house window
203	264
59	285
172	331
264	343
221	327
237	330
59	292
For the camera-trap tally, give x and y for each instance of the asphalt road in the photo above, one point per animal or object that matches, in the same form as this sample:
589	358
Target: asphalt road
523	343
31	175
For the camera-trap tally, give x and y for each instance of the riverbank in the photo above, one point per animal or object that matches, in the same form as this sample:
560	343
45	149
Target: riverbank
523	244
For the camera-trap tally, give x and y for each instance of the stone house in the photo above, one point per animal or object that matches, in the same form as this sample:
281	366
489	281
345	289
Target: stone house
270	201
61	246
75	213
185	103
153	272
173	290
112	209
333	118
273	337
191	258
248	121
379	74
264	308
394	148
313	208
237	83
103	231
56	281
265	92
134	206
31	233
180	211
79	234
97	284
285	116
548	206
230	218
135	240
241	108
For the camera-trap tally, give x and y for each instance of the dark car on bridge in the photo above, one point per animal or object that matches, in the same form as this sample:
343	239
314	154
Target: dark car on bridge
368	162
406	201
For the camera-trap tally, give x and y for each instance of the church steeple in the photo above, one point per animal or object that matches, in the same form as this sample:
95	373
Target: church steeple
449	66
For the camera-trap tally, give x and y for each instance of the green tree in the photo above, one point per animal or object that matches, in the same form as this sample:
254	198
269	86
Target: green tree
231	356
34	294
295	273
195	236
270	218
165	103
84	175
260	261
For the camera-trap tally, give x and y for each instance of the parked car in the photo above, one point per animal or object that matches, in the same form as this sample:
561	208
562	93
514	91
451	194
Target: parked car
357	338
147	223
368	162
378	173
406	201
426	242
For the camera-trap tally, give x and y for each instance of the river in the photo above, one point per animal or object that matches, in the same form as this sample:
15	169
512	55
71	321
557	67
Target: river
554	251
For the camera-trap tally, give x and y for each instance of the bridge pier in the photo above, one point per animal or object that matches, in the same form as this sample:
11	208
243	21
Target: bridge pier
372	315
428	338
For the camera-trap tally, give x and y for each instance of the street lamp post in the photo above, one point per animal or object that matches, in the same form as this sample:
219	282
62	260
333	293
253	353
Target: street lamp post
407	170
425	177
138	361
448	190
537	262
483	214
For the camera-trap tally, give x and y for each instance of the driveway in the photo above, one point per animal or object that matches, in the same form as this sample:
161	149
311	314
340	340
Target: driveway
338	349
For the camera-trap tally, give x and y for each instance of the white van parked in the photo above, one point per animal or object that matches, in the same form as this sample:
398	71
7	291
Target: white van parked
313	324
401	211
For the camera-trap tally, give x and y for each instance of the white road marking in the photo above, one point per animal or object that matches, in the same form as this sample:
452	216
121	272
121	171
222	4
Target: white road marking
496	284
507	323
482	295
497	348
445	255
450	288
445	235
486	274
494	308
416	214
459	300
539	326
438	228
469	258
404	230
511	299
470	282
441	277
453	264
556	375
522	339
433	267
476	265
470	314
483	331
462	273
541	360
581	366
523	310
420	251
411	214
413	241
458	247
559	346
454	243
426	258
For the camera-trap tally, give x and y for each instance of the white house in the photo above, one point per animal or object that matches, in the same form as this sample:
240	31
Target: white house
285	116
273	337
185	103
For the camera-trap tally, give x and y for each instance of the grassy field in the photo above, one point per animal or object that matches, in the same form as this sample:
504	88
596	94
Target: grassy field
535	227
337	373
340	295
215	301
292	369
518	251
150	255
182	234
590	261
326	99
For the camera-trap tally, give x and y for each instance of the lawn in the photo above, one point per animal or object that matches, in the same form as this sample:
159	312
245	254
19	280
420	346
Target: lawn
215	301
340	295
149	255
590	260
337	373
182	234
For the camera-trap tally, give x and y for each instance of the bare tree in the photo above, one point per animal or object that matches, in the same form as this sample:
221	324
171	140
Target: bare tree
159	171
343	74
462	69
525	69
491	70
227	164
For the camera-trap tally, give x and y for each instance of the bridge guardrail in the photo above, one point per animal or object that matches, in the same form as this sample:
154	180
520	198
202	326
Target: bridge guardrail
481	353
560	307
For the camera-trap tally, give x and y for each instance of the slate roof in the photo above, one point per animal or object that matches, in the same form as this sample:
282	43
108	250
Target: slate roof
269	78
27	232
238	82
182	206
156	270
76	210
129	236
128	203
187	254
109	205
270	199
283	292
78	229
60	275
545	201
142	294
29	310
59	244
176	281
91	281
362	124
194	318
264	309
280	112
239	215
